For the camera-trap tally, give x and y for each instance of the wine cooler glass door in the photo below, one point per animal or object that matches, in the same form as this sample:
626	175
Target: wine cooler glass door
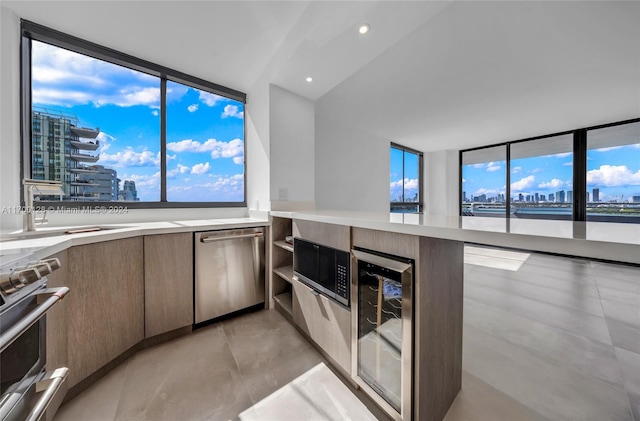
383	307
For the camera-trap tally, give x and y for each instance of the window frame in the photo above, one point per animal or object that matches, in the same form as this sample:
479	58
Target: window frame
420	202
33	31
579	167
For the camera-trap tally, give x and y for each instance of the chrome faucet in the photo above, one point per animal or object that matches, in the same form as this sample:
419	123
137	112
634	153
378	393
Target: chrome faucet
31	189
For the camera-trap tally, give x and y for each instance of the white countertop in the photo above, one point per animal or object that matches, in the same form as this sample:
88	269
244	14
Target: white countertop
46	246
598	240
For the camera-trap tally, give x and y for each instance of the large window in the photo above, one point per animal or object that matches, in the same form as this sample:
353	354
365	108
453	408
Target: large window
405	181
542	178
587	174
484	174
613	173
114	128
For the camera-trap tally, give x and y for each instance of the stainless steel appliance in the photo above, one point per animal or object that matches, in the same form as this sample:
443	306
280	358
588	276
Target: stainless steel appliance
323	268
26	389
229	271
382	334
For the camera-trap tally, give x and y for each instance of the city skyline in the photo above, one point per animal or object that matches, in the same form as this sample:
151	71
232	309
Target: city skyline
614	171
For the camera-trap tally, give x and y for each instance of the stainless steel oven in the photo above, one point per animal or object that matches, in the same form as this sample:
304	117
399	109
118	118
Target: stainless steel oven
26	388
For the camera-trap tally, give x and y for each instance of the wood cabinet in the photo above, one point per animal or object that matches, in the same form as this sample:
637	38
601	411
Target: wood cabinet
168	282
56	338
326	322
105	308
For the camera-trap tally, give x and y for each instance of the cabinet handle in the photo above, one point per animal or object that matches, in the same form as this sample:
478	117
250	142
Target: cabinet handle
51	296
230	237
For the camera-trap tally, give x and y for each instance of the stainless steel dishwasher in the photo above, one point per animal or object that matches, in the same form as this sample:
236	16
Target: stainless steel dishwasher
229	271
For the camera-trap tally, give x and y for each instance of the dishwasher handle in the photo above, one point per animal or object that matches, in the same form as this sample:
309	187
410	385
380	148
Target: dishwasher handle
231	237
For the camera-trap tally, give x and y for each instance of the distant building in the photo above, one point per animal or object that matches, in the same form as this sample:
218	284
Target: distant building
570	196
596	195
635	199
560	196
543	198
537	198
464	196
97	183
587	197
520	197
128	192
60	151
551	197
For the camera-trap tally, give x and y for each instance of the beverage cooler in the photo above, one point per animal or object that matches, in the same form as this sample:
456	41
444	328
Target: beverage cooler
382	336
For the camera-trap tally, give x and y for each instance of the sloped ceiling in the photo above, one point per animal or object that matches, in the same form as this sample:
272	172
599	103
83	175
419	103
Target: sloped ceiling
431	74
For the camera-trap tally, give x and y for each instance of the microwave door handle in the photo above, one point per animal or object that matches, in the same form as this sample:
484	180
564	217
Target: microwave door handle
50	297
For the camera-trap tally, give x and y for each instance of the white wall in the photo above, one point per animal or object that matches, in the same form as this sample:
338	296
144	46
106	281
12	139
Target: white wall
441	180
9	118
257	144
292	140
352	167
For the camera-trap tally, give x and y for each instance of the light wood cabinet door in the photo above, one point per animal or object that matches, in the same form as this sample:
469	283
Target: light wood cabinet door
327	323
168	285
105	308
56	338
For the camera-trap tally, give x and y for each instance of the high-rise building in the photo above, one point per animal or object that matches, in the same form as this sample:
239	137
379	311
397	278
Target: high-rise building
596	195
60	151
551	197
570	196
560	196
464	196
537	198
587	197
128	192
520	197
543	198
635	199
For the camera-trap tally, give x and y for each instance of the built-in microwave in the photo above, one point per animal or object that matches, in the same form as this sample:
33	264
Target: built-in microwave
323	268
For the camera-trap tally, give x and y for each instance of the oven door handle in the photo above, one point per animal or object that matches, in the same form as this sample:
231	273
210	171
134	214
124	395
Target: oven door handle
50	384
46	299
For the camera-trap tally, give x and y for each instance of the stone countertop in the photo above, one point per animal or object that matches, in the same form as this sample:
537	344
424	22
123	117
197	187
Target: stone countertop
46	246
596	240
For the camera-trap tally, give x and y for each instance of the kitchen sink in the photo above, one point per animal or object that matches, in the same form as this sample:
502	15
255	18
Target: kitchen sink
57	232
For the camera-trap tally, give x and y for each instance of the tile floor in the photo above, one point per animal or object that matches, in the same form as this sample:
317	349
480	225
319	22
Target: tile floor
545	338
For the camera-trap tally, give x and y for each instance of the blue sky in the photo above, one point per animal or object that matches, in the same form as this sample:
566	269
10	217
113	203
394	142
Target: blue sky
615	171
205	132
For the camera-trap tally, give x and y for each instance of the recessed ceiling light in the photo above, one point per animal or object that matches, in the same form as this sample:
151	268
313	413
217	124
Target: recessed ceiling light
309	79
363	29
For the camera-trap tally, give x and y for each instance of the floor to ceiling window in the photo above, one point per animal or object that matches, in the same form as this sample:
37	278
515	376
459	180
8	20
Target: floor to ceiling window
613	173
586	174
405	180
484	179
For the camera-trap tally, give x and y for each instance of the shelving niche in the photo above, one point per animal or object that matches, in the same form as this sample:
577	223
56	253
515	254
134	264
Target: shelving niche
282	265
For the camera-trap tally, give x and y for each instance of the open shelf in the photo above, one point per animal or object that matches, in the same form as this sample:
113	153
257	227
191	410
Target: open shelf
285	301
283	245
285	272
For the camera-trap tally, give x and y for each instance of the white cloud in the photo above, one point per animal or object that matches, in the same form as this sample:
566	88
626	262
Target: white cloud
536	170
105	141
553	184
464	180
612	148
613	176
491	167
409	183
562	155
489	192
200	168
210	99
155	113
61	77
218	149
523	184
131	158
516	170
192	108
232	111
180	169
478	165
568	164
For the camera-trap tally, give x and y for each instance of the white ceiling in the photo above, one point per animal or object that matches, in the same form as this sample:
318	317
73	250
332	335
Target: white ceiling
431	74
